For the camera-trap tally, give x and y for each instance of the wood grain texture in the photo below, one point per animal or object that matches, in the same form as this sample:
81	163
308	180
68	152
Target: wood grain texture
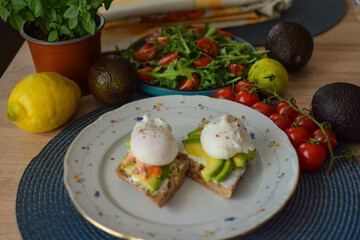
335	59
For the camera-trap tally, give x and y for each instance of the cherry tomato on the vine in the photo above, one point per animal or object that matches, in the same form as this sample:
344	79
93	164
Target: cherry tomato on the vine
189	84
208	46
319	136
146	53
143	76
264	108
236	69
168	58
243	85
311	156
297	135
284	108
204	61
282	121
246	98
224	93
304	121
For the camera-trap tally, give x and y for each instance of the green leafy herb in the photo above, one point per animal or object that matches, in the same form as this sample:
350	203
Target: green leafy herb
57	19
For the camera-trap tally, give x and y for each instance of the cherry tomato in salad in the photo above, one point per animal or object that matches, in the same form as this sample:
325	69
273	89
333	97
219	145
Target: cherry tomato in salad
282	121
224	93
297	135
199	29
243	85
188	84
154	35
143	76
246	98
224	33
284	108
204	61
163	41
264	108
146	53
236	69
319	136
311	156
304	121
208	46
168	58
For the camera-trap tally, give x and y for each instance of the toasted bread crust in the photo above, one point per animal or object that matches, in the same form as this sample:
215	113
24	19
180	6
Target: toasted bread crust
194	173
166	192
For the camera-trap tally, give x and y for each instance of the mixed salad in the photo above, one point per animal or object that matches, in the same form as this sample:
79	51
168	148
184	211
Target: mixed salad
192	57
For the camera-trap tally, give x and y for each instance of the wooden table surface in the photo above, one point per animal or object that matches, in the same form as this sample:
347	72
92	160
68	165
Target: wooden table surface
336	58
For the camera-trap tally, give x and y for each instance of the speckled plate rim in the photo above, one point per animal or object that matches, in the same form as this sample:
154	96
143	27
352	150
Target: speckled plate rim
276	163
161	91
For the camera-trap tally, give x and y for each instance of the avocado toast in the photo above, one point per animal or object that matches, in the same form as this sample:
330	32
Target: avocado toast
153	164
220	173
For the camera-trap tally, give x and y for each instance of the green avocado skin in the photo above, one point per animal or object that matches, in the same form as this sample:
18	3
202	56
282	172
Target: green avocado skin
112	79
339	104
291	44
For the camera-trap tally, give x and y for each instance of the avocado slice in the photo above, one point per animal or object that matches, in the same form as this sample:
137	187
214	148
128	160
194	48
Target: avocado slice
251	155
195	134
213	165
151	182
225	171
239	160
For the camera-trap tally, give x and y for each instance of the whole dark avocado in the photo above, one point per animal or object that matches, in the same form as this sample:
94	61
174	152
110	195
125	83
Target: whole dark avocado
291	44
339	104
112	79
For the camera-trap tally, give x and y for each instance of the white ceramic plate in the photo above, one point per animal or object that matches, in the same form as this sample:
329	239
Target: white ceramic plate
194	212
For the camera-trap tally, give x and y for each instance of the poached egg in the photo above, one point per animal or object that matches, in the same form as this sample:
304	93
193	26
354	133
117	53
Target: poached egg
152	142
224	137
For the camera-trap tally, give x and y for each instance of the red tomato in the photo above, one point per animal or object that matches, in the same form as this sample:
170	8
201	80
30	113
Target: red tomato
145	77
224	93
243	85
208	46
281	121
304	121
168	58
285	109
163	41
264	108
200	29
319	136
311	156
244	97
297	135
189	84
236	69
223	33
153	36
203	61
146	53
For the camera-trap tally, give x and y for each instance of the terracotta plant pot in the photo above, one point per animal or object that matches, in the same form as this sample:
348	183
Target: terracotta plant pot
71	58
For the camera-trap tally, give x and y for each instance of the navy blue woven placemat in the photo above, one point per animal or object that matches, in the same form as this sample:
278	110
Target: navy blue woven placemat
322	207
317	16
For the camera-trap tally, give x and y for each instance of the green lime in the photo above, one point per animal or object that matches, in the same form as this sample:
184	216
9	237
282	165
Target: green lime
270	75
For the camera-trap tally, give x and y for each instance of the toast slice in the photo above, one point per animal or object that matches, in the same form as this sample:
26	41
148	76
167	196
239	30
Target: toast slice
224	189
168	187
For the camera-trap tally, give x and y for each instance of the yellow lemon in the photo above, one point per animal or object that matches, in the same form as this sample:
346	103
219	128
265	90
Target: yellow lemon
43	101
270	75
